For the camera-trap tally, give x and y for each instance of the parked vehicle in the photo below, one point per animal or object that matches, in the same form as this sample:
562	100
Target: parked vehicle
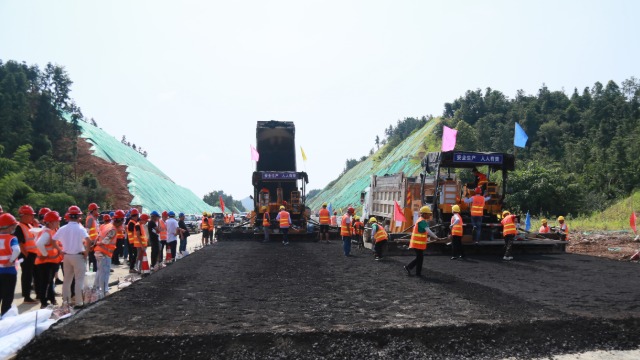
193	222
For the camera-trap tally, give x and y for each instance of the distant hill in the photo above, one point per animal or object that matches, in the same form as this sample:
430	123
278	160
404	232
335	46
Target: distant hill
247	203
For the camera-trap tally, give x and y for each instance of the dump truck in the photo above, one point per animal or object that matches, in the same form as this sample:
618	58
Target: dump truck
275	183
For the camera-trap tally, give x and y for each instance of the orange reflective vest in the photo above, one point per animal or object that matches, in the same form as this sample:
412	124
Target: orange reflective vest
226	219
509	225
131	233
5	250
265	220
325	216
457	229
92	230
205	224
163	230
53	255
140	240
477	206
334	220
120	232
544	229
380	234
564	229
284	219
345	228
106	249
418	239
358	228
29	238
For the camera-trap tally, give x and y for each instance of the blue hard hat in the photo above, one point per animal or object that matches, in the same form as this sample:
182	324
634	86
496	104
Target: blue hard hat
181	215
154	213
112	214
172	214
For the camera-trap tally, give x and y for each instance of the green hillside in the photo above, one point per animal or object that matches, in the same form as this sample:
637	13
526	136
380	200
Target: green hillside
616	217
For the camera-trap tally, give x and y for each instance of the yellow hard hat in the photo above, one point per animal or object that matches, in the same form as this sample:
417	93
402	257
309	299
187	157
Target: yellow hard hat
455	208
560	218
281	207
324	204
204	213
505	213
544	221
372	219
264	208
425	210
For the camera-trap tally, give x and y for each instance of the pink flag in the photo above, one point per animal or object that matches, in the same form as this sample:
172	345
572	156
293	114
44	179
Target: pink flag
398	215
254	154
449	138
632	221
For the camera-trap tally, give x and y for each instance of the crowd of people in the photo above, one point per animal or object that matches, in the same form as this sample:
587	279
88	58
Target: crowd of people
43	248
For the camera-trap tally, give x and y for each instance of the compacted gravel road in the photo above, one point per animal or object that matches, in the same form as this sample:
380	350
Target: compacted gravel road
249	300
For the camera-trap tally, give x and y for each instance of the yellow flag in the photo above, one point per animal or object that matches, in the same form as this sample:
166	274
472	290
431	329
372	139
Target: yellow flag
304	156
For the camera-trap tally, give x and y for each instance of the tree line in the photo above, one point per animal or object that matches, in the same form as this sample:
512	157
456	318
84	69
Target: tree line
582	149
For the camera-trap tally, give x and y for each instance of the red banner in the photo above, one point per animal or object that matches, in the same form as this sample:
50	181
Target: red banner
398	215
221	204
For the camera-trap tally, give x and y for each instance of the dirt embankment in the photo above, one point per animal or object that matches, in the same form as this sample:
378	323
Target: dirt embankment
610	245
111	176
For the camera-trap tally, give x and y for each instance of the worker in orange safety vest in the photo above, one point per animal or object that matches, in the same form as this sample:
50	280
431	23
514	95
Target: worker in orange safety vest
28	250
544	228
509	231
105	245
324	218
204	226
284	218
563	229
91	224
379	235
9	252
345	231
418	240
457	229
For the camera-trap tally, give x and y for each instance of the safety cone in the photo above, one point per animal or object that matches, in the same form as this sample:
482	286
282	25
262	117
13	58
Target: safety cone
144	267
169	257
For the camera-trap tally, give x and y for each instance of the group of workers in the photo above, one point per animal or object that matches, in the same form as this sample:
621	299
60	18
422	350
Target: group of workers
42	247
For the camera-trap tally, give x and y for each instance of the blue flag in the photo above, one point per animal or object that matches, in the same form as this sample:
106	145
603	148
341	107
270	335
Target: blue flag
520	137
527	222
330	210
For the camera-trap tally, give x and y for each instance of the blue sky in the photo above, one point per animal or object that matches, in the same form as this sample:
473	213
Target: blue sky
187	80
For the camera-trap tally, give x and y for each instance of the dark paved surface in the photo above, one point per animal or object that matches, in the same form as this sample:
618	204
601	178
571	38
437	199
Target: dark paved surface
248	300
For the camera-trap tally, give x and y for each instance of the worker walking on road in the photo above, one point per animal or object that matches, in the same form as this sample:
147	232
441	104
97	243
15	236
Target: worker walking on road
379	235
266	223
509	231
477	212
285	222
28	250
345	231
9	252
324	217
563	229
418	240
457	229
75	241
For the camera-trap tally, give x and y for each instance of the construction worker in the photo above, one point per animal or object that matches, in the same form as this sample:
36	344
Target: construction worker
9	252
379	235
153	233
266	223
49	258
204	226
509	231
563	229
212	228
358	230
184	233
162	234
91	224
173	231
345	231
28	251
324	217
334	219
41	213
115	259
141	240
418	240
75	240
480	178
477	202
544	229
105	246
457	229
131	227
284	219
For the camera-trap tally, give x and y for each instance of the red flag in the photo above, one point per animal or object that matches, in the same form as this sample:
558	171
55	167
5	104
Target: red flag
632	221
221	204
398	215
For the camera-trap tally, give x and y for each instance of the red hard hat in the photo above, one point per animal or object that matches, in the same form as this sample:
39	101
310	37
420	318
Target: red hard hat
134	211
106	217
165	213
26	210
119	214
7	220
43	211
144	217
66	216
52	216
351	210
93	206
74	210
478	190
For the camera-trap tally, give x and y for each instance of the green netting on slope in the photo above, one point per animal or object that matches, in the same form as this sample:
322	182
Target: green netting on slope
403	158
150	187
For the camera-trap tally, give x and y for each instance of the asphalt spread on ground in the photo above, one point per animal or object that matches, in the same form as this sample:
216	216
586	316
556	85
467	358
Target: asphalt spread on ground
249	300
